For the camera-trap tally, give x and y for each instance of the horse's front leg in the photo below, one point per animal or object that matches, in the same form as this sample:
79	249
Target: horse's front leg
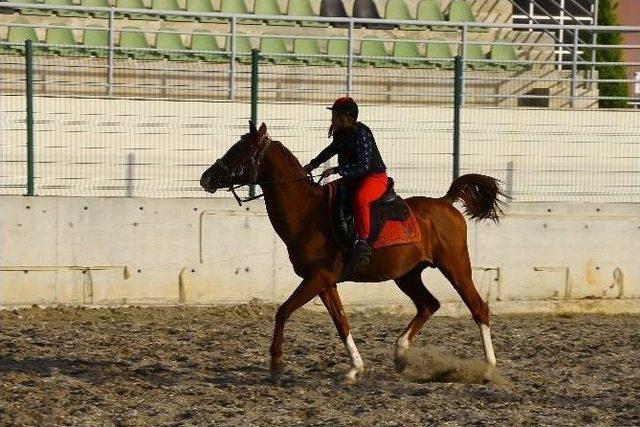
309	288
331	300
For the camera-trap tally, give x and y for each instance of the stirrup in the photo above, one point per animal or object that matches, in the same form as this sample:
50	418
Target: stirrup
361	252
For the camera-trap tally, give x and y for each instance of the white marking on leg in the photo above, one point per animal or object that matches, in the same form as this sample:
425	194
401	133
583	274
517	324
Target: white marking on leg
488	346
356	361
400	354
489	356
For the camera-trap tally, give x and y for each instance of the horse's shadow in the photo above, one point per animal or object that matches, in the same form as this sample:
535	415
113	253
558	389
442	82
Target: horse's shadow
97	372
49	366
91	371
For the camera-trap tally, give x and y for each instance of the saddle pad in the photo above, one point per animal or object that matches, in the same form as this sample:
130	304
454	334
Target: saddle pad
392	233
398	232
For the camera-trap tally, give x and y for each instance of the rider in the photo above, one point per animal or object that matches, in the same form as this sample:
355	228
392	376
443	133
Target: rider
359	164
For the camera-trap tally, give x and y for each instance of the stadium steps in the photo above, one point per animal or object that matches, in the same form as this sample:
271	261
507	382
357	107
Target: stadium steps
144	78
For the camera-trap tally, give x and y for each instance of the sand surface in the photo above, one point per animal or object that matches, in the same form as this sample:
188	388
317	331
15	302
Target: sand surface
208	366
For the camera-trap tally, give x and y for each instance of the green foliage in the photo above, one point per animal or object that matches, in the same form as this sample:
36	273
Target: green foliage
606	16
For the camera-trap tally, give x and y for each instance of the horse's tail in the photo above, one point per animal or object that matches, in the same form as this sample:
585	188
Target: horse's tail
479	195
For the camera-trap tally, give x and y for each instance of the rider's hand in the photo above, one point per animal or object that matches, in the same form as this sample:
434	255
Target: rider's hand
308	169
327	172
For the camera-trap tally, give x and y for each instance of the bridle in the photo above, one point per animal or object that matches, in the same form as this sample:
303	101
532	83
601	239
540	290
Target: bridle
254	164
265	141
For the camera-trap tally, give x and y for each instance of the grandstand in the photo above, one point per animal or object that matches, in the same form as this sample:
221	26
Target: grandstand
401	51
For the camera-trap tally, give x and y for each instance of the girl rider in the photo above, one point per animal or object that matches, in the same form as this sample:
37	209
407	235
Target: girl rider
359	164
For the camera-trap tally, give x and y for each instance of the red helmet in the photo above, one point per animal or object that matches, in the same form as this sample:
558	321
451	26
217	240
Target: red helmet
345	105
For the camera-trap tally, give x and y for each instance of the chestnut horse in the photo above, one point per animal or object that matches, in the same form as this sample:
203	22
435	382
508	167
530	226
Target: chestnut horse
297	208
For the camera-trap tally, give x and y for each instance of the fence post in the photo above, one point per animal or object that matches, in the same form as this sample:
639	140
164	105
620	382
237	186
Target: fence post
232	62
254	98
110	53
350	59
457	105
28	49
574	68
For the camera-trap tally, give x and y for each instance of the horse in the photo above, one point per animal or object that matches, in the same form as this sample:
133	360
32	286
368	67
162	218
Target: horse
297	209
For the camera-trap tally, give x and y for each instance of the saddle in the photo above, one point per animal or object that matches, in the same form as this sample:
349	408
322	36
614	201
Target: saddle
389	207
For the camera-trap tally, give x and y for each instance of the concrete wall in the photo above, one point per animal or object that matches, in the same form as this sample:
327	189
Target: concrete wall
102	251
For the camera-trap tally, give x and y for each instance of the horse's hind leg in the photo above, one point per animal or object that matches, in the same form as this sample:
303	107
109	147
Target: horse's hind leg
426	304
457	268
332	302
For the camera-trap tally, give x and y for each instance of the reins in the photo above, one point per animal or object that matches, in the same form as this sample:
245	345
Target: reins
254	174
271	181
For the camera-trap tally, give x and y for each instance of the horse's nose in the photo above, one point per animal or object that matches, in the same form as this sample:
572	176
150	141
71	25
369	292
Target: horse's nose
205	182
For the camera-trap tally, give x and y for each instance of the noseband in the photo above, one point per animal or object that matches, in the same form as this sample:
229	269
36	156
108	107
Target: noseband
254	163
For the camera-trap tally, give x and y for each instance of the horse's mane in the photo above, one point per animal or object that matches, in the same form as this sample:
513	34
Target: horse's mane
291	158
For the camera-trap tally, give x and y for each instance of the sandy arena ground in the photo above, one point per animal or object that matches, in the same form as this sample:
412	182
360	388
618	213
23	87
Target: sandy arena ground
208	366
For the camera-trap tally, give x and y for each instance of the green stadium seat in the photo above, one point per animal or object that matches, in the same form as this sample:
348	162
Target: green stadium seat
270	7
338	51
171	5
370	49
474	53
96	41
133	42
18	35
273	49
406	53
58	38
302	48
135	4
429	10
460	11
303	8
505	52
203	6
27	11
169	44
96	3
66	13
243	48
237	6
204	45
439	53
398	10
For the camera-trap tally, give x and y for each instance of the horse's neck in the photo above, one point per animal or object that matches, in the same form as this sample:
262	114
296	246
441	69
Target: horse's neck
289	196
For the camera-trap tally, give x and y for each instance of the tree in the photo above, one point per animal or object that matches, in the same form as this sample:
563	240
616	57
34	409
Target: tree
606	16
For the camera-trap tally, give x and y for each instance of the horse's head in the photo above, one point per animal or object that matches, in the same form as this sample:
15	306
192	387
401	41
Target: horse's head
240	163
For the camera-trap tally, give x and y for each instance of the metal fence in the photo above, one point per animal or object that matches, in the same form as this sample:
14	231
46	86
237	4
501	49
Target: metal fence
110	126
507	64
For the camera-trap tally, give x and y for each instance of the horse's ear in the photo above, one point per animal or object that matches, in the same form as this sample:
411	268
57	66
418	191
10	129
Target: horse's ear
263	129
252	127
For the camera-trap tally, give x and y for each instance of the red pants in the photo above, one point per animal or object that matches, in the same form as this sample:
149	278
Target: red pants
368	189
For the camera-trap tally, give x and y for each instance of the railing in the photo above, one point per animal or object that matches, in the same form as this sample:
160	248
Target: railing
563	16
572	81
102	126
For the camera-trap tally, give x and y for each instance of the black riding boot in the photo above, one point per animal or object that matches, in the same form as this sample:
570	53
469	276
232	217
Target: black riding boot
361	252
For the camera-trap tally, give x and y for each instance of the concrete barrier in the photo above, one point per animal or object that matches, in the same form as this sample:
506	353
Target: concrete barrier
543	257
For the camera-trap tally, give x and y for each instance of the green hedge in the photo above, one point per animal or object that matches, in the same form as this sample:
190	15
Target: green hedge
606	16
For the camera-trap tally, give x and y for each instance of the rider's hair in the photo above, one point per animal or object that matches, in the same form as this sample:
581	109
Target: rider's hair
344	122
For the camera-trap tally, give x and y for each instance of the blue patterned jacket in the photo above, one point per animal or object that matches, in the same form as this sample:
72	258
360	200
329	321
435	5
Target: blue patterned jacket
358	154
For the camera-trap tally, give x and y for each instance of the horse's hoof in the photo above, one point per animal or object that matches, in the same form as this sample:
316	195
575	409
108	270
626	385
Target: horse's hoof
277	371
400	360
487	376
400	364
351	377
